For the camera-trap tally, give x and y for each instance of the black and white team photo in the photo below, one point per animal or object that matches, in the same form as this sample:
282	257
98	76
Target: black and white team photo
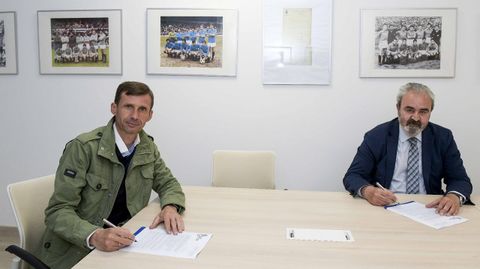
408	42
3	55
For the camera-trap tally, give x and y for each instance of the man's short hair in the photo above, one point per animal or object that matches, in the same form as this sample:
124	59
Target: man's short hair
133	88
415	87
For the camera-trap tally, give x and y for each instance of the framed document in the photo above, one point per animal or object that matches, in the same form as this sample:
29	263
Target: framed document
297	41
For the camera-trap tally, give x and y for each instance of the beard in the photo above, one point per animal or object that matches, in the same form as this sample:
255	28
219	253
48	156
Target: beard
413	127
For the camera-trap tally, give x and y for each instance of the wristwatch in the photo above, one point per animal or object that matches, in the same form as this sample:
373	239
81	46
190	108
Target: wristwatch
176	206
460	197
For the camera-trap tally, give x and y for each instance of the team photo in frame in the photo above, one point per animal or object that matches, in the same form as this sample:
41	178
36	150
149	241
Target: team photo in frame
80	42
8	43
192	42
408	42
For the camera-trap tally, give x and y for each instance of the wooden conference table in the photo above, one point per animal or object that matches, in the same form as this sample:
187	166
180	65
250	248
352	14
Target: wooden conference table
249	231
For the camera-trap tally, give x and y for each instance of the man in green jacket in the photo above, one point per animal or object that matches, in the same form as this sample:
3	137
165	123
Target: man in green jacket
109	173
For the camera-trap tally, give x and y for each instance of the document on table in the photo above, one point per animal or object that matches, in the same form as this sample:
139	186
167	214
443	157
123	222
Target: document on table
419	213
319	235
158	242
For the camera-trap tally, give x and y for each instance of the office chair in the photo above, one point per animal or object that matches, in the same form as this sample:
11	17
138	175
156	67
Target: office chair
29	198
27	257
244	169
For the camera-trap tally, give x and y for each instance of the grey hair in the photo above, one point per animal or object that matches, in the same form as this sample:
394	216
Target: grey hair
415	87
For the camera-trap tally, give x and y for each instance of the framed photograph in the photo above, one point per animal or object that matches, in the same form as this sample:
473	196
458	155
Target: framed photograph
80	42
297	41
192	42
408	42
8	43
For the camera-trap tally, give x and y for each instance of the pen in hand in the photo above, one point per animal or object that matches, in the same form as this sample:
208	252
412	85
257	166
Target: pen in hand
383	188
111	225
377	184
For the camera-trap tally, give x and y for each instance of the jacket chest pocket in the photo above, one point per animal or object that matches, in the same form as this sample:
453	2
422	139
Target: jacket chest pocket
147	182
95	193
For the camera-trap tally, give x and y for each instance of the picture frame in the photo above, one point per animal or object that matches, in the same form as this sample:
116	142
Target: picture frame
192	42
8	43
417	42
297	40
80	42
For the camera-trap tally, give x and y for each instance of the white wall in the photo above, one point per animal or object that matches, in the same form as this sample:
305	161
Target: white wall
314	130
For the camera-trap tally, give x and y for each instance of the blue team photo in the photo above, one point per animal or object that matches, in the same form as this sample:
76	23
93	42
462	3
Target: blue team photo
188	41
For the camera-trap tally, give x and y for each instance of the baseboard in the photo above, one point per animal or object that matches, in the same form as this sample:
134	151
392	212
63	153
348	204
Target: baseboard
8	228
10	231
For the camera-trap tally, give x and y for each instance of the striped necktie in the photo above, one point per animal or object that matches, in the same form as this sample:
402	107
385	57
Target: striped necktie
413	172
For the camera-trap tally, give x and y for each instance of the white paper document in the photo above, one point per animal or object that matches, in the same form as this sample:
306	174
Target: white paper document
319	235
158	242
418	212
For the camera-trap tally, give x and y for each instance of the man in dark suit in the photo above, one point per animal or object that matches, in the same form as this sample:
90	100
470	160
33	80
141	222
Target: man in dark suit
410	155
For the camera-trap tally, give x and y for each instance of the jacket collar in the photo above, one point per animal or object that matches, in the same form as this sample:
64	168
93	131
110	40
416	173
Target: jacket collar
392	144
143	153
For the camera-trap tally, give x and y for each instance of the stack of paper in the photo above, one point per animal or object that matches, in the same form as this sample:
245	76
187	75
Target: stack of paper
418	212
158	242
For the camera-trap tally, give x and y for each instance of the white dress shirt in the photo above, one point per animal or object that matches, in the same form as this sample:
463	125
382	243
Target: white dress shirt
121	145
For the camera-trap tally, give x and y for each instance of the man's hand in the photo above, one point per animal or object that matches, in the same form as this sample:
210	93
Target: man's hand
378	196
447	205
111	239
173	221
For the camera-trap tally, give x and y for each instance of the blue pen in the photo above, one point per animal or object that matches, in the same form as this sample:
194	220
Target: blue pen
139	230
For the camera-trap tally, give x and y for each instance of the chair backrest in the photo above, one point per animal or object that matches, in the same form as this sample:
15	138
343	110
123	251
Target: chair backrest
244	169
29	199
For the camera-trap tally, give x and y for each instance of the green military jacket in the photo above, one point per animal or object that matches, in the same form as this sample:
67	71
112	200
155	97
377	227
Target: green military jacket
86	185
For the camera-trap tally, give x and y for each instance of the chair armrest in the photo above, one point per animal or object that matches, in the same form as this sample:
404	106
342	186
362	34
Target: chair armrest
27	257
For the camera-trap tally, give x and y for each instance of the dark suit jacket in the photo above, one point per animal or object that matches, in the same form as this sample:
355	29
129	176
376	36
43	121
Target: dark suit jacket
375	160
